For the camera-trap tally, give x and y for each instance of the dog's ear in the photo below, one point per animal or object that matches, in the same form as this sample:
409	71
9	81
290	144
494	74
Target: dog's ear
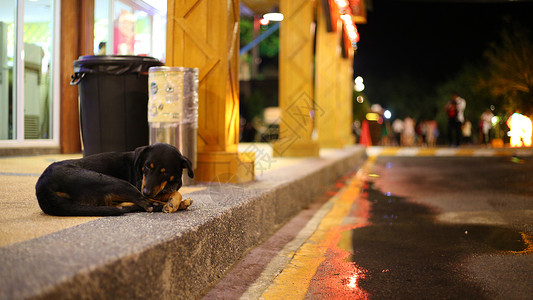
139	157
186	163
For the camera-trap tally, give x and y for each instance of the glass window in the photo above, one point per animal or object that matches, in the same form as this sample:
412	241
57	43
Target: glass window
101	28
7	69
38	50
26	65
138	27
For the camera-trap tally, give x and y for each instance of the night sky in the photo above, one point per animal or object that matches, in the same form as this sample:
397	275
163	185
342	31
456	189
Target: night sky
431	40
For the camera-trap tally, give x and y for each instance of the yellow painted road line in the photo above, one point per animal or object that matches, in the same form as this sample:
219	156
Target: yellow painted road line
503	152
484	152
427	152
464	152
293	281
408	151
445	152
389	151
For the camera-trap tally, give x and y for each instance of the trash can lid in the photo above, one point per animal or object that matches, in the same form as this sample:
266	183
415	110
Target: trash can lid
115	64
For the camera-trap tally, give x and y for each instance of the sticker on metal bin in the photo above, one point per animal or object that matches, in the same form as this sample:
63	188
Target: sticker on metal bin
173	96
153	88
163	104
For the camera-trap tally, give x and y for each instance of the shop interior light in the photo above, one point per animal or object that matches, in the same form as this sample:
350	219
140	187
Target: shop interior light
346	18
264	22
349	24
274	17
372	116
521	130
342	3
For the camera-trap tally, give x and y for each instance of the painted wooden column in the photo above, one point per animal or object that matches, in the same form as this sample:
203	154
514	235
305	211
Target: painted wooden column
77	35
296	94
345	88
329	92
204	34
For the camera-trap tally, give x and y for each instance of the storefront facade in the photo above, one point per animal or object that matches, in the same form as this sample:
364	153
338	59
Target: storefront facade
39	40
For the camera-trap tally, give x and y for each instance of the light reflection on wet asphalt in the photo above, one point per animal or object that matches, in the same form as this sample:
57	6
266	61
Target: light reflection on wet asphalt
393	248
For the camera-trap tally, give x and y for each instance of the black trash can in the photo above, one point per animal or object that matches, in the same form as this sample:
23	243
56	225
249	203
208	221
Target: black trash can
113	92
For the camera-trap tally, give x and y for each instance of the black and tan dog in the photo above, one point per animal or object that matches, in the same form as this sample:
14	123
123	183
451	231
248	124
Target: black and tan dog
99	185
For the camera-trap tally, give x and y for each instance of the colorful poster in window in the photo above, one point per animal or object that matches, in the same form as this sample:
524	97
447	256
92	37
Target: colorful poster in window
124	34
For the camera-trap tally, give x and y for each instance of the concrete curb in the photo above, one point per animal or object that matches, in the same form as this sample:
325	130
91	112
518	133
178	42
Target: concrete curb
167	256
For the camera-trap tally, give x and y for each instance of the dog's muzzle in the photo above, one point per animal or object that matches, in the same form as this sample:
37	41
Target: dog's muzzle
151	191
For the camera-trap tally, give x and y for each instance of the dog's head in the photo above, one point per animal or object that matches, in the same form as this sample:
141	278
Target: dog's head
161	166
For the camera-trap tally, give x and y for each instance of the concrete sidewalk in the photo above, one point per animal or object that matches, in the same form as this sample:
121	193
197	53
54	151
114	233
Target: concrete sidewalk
151	255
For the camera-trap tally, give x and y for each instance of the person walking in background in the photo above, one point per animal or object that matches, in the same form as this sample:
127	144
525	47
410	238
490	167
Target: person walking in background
420	130
432	133
408	137
486	125
467	132
455	112
451	113
461	105
397	128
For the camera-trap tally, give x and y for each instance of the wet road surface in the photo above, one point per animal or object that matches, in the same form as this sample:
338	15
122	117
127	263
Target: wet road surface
407	228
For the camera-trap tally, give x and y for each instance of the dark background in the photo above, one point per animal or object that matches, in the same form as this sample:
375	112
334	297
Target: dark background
430	41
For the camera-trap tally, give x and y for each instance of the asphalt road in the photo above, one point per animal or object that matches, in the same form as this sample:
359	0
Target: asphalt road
406	228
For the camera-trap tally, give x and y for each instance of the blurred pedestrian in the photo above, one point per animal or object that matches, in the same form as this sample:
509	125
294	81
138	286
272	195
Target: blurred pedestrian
467	132
385	134
356	130
461	105
397	128
432	132
408	137
455	111
422	132
486	125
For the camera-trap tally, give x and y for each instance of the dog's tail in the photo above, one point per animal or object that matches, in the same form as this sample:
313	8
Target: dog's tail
59	204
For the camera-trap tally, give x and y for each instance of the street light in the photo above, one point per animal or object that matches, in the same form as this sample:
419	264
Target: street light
358	84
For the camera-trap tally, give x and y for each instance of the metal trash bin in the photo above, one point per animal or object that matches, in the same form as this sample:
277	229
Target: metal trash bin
173	110
113	92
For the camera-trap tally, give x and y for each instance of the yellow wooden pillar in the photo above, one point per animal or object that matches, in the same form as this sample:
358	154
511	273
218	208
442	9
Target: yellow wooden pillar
328	90
345	88
204	34
296	97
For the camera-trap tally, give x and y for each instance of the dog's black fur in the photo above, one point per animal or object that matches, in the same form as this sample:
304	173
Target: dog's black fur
96	185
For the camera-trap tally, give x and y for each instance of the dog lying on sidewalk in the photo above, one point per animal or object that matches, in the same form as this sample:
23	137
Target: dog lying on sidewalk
147	178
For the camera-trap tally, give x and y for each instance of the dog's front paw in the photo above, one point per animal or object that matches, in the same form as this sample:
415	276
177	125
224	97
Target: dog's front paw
185	203
176	202
157	206
173	203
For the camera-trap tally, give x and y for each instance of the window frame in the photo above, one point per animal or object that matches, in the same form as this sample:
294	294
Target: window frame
18	140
